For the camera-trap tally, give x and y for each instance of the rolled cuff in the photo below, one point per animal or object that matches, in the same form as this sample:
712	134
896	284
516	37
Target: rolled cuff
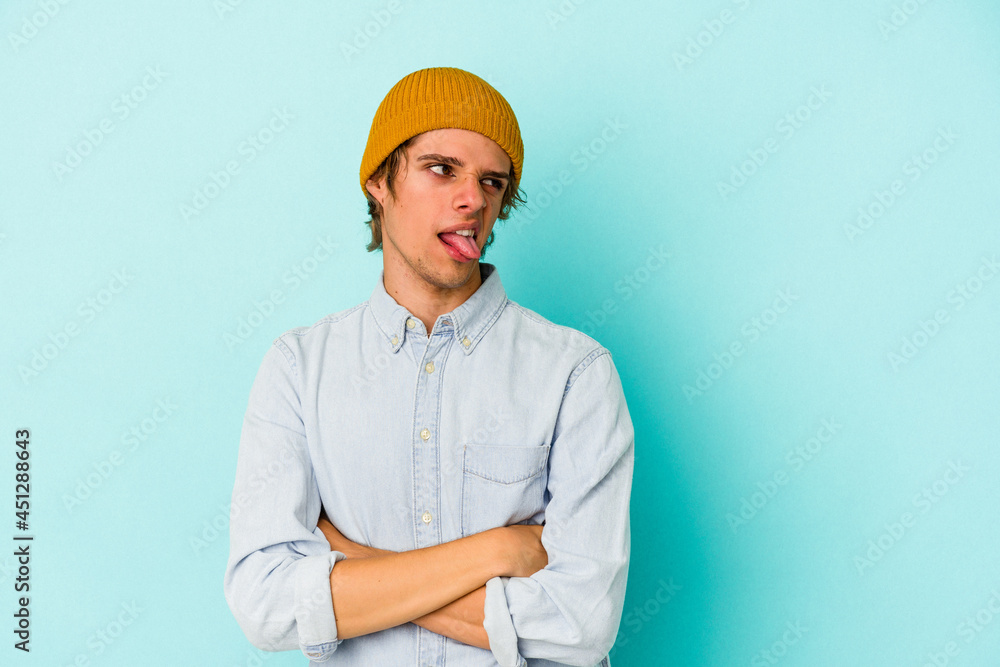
499	626
314	618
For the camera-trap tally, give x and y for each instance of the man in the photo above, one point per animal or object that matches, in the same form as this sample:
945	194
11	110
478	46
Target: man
472	461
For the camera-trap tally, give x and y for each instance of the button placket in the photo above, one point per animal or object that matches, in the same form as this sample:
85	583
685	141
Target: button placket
426	452
426	468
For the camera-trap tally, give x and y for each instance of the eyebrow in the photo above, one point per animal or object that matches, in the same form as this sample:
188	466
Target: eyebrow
455	162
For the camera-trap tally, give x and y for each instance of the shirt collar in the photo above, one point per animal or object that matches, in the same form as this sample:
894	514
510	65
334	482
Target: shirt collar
470	320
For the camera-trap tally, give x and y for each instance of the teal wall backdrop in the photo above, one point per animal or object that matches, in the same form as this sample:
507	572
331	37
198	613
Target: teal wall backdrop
781	218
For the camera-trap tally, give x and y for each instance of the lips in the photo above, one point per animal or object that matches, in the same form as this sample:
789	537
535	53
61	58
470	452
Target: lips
463	228
465	246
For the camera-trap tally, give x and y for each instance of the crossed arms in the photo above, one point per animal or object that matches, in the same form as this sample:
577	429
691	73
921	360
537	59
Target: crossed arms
374	589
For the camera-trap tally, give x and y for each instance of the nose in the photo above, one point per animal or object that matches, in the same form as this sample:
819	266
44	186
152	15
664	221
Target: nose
469	195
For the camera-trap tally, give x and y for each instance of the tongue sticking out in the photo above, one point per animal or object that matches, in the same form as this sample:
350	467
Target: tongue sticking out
463	244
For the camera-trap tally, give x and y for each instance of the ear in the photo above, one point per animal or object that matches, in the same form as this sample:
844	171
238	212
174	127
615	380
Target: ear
377	189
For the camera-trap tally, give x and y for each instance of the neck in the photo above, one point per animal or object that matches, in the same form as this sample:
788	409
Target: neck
428	301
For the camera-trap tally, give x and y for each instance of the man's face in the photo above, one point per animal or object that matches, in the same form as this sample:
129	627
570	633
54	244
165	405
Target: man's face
451	178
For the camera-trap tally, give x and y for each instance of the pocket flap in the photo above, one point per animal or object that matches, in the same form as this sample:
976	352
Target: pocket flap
505	464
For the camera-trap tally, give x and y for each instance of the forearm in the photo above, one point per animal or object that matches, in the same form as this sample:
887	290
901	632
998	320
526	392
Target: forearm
461	620
388	589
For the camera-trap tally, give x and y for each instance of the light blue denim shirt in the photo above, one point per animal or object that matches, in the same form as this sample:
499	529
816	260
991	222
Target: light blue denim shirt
498	417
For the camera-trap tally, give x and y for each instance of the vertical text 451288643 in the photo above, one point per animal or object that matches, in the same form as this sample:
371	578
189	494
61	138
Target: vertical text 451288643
22	544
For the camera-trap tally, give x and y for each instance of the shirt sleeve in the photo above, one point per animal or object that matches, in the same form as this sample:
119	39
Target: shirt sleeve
277	580
569	612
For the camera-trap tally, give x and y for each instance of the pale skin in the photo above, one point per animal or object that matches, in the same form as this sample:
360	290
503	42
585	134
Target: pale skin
461	619
441	588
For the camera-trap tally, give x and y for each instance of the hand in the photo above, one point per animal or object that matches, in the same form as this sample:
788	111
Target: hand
340	543
527	555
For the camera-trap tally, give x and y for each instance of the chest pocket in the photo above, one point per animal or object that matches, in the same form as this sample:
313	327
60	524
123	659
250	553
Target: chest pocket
502	485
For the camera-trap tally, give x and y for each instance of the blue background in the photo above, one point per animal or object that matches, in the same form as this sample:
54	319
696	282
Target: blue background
814	392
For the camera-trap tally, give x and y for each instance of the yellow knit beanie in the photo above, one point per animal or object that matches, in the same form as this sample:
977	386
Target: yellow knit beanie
436	98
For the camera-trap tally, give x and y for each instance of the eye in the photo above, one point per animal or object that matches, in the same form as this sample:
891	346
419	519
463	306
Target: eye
494	183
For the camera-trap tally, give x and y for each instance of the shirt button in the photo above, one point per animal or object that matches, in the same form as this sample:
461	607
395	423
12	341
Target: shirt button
426	517
429	367
410	323
394	340
425	434
466	342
